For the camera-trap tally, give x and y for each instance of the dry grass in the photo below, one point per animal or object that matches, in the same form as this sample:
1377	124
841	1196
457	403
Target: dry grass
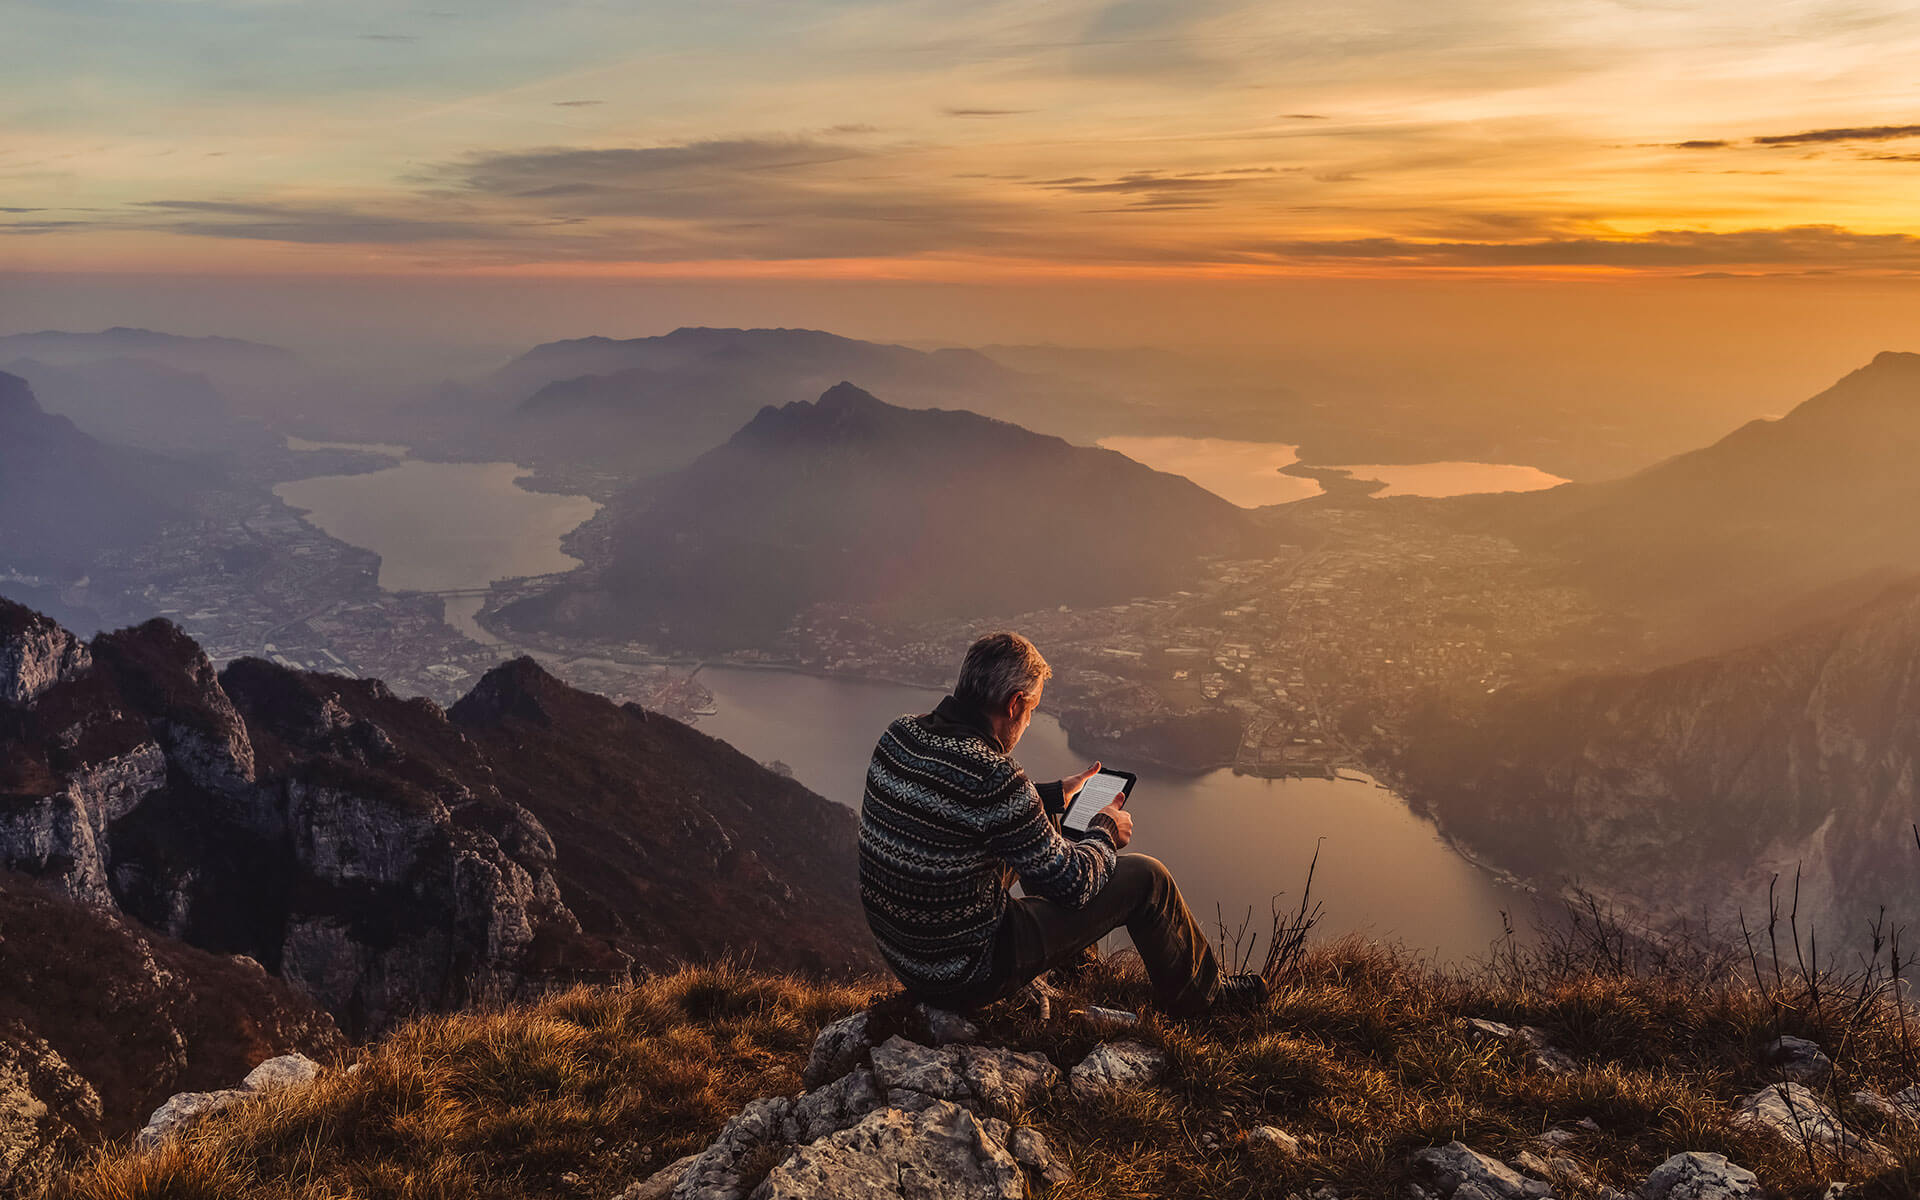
602	1084
1361	1054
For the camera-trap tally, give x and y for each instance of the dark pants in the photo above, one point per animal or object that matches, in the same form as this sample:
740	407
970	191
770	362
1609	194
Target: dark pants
1037	935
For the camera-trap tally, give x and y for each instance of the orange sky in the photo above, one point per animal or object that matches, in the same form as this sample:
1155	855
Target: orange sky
808	139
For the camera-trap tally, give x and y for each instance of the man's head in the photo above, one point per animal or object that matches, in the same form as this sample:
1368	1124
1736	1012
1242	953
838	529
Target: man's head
1002	676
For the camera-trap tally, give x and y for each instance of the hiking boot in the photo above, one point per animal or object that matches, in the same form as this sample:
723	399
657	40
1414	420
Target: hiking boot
1239	993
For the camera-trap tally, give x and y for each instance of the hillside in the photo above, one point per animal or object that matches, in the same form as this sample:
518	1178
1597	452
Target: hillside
101	1021
1686	789
152	405
65	496
902	513
377	854
1779	521
1575	1073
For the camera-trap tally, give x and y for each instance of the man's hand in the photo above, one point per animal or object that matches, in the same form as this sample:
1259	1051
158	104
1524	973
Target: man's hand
1071	785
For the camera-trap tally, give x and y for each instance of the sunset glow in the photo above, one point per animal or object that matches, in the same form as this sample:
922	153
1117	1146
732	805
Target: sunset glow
913	140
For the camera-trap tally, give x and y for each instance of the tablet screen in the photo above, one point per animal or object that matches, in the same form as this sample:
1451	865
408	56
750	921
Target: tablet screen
1103	789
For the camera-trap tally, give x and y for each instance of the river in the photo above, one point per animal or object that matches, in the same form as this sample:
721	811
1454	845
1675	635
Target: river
1233	841
441	526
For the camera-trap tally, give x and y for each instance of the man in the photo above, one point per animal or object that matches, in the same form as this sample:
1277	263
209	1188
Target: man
949	821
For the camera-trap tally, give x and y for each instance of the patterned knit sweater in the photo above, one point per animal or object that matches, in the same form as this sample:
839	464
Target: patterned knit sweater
947	821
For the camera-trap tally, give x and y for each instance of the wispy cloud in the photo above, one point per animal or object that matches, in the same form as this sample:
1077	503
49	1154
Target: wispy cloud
1865	133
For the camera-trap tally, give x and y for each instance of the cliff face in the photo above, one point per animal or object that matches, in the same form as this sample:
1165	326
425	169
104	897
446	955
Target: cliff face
384	859
1687	789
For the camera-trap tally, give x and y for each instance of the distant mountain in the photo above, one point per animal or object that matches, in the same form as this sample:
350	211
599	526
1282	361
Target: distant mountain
65	496
385	859
643	405
137	402
1778	522
1685	789
203	354
904	513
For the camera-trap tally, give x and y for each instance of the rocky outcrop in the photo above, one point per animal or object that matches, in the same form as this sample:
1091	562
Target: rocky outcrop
387	857
35	654
1698	1176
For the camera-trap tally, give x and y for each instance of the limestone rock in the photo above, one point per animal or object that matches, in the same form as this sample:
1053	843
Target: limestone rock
1800	1060
660	1184
1796	1114
35	654
1031	1150
1272	1137
718	1172
839	1049
1112	1066
181	1112
834	1107
1456	1172
1698	1176
288	1070
1880	1106
940	1153
1543	1054
946	1027
995	1079
1482	1030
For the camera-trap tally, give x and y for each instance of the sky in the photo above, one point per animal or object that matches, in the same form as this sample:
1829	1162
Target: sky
896	139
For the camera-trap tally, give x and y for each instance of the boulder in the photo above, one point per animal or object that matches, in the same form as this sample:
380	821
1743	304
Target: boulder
1543	1054
1457	1172
939	1153
834	1107
999	1080
288	1070
841	1047
1800	1060
1698	1176
181	1112
1112	1066
1880	1106
1031	1150
1790	1111
720	1171
1274	1138
944	1027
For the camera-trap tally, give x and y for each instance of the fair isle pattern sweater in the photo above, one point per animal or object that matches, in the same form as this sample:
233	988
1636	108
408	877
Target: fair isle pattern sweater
945	818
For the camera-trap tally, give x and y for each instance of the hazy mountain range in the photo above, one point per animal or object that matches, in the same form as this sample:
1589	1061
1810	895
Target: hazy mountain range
903	513
1781	521
1684	790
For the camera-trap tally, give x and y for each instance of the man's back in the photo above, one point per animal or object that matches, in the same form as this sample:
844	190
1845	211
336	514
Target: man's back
944	817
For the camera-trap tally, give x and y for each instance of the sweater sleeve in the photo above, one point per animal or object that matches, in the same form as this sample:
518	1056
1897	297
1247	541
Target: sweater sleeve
1068	873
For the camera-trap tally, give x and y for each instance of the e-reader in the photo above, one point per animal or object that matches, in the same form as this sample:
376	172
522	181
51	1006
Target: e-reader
1101	790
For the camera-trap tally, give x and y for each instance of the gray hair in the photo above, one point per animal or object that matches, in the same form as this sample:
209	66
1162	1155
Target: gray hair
998	667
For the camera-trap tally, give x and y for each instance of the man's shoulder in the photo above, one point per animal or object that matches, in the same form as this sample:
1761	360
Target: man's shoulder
914	737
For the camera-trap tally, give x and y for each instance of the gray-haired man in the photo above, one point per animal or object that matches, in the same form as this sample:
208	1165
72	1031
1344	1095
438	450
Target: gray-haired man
949	821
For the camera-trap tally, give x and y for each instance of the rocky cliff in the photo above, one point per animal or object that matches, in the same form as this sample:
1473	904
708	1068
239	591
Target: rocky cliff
379	856
1688	788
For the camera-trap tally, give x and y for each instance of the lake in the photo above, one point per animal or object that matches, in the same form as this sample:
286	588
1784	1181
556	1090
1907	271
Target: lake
441	527
1248	473
1232	840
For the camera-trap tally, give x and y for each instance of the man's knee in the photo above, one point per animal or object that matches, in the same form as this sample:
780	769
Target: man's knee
1144	872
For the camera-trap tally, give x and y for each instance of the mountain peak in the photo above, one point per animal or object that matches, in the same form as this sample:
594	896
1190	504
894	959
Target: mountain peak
845	397
513	689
